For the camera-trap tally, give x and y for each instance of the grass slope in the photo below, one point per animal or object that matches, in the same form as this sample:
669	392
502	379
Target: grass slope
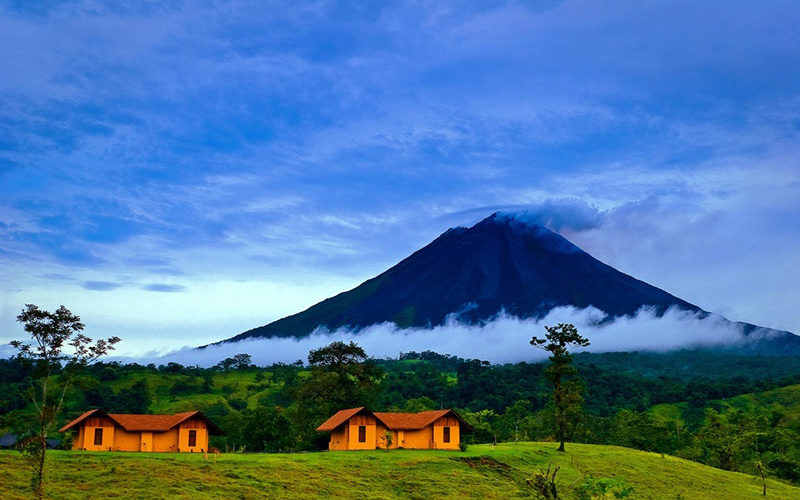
786	399
238	384
379	474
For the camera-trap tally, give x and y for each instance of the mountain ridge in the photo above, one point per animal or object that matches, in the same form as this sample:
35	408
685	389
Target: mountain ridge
501	264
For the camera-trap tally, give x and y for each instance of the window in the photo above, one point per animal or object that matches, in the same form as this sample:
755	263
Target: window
362	433
98	436
192	438
446	434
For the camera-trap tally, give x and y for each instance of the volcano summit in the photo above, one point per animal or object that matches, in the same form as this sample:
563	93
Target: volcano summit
501	264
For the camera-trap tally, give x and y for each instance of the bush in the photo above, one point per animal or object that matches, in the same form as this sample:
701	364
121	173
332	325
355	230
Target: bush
544	483
462	446
785	468
183	387
604	488
237	404
389	438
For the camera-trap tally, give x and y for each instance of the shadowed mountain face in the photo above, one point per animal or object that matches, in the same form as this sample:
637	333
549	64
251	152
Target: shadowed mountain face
499	264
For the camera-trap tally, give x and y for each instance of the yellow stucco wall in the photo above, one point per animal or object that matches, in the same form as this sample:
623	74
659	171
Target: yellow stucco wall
77	440
339	438
166	441
88	438
201	444
380	437
368	444
158	442
438	433
403	439
122	440
419	439
345	437
438	437
118	439
126	441
427	438
146	441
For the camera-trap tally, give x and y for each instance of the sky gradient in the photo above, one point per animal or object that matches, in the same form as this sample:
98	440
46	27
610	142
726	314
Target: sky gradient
179	172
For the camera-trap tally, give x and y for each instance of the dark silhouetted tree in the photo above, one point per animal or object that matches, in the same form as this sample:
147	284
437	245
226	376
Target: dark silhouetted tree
342	376
236	362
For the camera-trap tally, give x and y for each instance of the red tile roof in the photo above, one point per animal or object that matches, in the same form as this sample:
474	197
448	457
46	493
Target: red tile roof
393	420
80	419
409	421
158	423
145	423
339	418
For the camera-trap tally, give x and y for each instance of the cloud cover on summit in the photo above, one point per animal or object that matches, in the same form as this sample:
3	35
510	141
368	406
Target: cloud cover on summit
256	159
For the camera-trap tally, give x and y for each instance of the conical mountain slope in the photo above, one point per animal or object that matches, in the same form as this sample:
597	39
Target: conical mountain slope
501	263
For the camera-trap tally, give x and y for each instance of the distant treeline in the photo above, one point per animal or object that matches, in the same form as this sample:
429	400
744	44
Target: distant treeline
277	407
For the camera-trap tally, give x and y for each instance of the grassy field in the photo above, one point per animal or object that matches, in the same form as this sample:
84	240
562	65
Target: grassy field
501	472
784	399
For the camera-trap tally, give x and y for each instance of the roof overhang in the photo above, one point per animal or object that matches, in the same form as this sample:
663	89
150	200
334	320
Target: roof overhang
342	416
84	416
464	426
212	428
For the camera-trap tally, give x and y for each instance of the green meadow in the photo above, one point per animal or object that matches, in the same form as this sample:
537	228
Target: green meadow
785	400
483	471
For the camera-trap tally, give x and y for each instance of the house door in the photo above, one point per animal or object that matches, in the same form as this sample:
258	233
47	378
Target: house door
146	442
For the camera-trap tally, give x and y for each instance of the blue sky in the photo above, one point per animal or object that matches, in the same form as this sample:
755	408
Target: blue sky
178	172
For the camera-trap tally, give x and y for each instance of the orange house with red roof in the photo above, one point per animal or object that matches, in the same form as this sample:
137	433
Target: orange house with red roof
361	429
181	432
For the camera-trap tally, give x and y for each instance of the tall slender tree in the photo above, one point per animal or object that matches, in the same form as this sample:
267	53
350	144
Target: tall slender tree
567	387
57	350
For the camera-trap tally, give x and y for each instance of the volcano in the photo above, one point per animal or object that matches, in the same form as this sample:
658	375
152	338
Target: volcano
501	264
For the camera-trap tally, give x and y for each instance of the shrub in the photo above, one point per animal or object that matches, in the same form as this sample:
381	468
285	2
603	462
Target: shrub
544	482
183	387
785	468
237	404
388	437
604	489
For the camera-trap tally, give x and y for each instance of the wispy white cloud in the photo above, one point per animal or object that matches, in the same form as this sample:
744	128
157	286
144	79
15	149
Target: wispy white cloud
503	340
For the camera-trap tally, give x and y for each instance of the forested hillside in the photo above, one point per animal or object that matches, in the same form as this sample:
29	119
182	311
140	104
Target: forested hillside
723	410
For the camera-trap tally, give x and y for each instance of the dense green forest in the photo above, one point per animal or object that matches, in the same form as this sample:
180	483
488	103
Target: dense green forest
722	409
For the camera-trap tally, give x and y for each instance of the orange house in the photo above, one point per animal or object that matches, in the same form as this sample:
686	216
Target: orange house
181	432
361	429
